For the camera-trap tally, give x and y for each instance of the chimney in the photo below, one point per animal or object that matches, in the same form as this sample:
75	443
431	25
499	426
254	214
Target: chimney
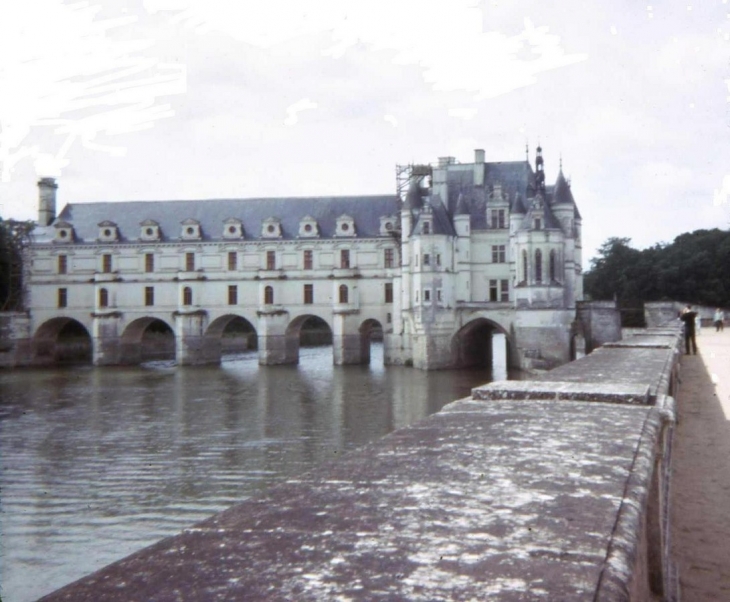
479	167
46	201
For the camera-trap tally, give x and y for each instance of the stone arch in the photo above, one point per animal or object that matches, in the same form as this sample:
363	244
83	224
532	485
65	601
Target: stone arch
370	330
147	339
297	327
473	346
62	340
229	333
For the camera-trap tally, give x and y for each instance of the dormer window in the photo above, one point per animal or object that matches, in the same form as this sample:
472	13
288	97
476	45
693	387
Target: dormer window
345	226
308	227
387	224
190	229
108	231
64	232
538	223
271	228
149	230
232	228
427	227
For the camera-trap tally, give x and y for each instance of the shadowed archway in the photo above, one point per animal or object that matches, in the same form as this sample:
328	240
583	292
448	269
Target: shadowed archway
62	341
370	330
474	346
147	339
228	335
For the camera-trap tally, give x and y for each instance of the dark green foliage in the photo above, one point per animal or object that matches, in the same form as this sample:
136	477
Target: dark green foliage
14	236
695	268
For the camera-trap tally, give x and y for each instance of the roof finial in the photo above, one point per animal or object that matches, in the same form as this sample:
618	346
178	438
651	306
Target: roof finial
527	151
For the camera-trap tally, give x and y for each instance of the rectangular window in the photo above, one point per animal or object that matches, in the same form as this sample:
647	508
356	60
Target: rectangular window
389	319
149	296
493	290
389	258
427	296
62	264
308	294
438	259
538	223
189	262
106	263
498	219
270	260
149	262
103	298
232	294
504	290
62	297
232	261
439	296
308	260
499	254
426	259
345	258
389	292
269	295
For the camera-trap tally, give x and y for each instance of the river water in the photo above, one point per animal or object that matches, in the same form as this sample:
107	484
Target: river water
100	462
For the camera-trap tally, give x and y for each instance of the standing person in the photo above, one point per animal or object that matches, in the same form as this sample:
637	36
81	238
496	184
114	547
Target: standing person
688	317
719	320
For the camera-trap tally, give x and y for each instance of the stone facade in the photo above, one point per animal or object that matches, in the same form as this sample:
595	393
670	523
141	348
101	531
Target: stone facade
477	264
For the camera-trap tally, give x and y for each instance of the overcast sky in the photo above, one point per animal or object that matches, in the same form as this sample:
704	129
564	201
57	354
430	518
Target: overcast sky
186	99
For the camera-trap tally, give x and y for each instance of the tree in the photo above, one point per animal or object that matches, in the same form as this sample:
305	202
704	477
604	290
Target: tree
14	238
694	268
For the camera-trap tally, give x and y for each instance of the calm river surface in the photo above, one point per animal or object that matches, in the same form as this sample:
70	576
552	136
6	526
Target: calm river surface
100	462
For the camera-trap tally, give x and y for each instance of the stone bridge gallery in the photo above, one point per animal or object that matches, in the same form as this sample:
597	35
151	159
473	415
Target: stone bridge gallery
469	264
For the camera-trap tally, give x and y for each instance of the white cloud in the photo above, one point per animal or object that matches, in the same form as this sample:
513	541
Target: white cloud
292	111
444	38
721	196
62	70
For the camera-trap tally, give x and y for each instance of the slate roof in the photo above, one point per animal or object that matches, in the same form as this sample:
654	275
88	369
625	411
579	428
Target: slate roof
514	177
129	215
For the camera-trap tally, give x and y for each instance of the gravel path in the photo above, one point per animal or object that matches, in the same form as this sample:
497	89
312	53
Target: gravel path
701	471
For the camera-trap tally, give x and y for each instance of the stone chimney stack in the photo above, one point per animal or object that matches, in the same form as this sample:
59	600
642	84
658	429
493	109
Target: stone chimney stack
478	167
46	201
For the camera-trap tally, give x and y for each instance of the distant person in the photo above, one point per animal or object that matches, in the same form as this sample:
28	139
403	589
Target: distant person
688	317
719	320
698	324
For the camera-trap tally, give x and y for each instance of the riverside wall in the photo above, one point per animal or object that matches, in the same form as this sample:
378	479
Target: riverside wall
555	488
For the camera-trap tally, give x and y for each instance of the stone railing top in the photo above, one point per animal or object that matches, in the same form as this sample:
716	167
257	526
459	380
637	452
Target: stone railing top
627	393
482	501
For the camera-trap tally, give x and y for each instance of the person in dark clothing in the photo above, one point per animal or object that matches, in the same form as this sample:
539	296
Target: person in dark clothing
688	317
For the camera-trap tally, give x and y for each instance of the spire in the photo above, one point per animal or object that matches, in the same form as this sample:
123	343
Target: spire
539	172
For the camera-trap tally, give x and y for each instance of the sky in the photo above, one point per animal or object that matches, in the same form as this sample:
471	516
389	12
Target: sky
194	99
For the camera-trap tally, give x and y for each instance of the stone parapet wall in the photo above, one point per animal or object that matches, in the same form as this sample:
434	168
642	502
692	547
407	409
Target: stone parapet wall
555	489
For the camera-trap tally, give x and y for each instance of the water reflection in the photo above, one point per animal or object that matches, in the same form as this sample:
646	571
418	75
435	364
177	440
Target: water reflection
99	462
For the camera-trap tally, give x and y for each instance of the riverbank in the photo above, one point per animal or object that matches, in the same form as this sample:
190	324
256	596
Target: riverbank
701	471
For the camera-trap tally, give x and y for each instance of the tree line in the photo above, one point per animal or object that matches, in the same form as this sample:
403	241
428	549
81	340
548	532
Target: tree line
694	268
14	237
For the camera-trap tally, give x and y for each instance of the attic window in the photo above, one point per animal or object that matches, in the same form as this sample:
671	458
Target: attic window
190	230
538	223
231	229
149	232
62	233
388	225
345	227
308	228
271	228
427	227
107	232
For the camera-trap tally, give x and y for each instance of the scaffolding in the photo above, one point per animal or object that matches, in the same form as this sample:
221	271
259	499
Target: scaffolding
404	174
